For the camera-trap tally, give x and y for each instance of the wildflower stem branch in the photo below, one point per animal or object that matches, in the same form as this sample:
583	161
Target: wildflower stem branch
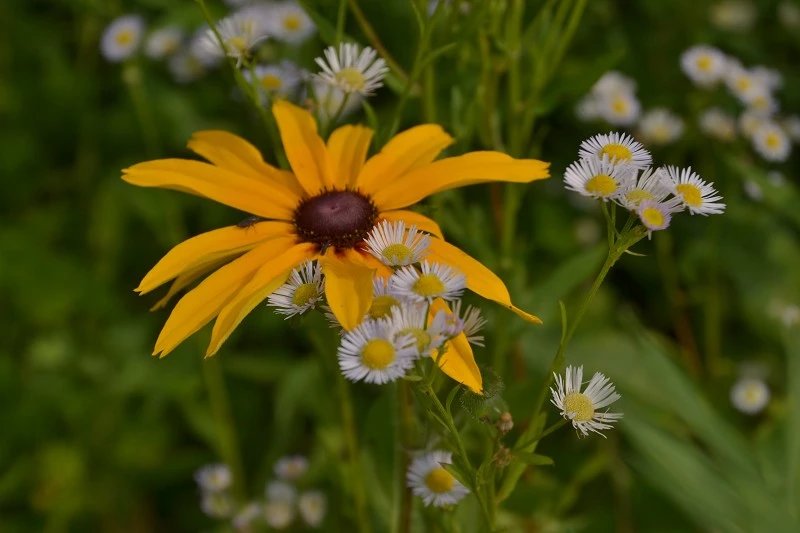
376	43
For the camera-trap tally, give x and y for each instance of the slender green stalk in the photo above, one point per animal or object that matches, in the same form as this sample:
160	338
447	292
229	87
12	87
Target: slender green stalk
407	430
132	76
376	43
341	18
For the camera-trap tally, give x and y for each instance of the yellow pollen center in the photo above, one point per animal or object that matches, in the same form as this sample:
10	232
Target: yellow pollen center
652	217
601	185
291	22
691	194
304	293
422	337
772	141
743	83
124	37
619	106
578	406
439	480
637	196
397	252
271	82
382	306
428	285
752	394
352	78
377	354
238	44
704	63
617	152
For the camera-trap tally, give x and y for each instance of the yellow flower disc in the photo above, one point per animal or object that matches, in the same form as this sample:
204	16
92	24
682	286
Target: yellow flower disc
271	82
124	37
382	306
637	196
377	354
352	77
397	252
304	293
616	151
652	217
428	285
422	337
691	194
704	63
578	406
601	185
291	22
439	480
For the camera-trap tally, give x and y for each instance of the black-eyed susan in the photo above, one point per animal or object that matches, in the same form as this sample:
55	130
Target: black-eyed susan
323	210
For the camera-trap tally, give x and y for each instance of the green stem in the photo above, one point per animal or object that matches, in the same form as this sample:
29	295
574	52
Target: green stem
376	43
341	17
407	430
132	76
353	455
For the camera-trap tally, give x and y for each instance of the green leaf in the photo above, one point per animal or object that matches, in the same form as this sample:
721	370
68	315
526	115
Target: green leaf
533	459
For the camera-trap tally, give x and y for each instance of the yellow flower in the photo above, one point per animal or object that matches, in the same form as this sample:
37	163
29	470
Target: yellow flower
322	210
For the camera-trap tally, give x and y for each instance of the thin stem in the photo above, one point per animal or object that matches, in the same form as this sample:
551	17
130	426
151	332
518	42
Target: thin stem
132	76
341	17
407	430
353	455
376	43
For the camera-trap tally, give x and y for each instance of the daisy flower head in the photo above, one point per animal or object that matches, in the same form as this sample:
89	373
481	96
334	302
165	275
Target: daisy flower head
185	67
122	37
741	82
280	491
312	506
762	101
279	514
619	148
239	33
383	301
750	121
581	407
291	468
597	178
163	42
660	126
733	15
718	124
652	184
430	281
352	69
771	142
452	322
332	101
301	292
612	82
281	79
703	64
393	245
429	480
372	353
411	320
696	195
619	108
289	23
214	477
656	216
216	504
768	77
750	395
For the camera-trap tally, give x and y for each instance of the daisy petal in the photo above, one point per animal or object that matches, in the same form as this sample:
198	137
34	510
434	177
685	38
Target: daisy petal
348	147
205	301
214	183
304	148
480	279
268	278
412	218
452	172
233	153
405	152
348	288
208	248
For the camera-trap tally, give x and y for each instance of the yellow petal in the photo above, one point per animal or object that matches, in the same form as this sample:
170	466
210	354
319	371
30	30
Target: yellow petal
215	183
304	148
348	288
412	218
348	147
467	169
268	278
406	151
457	361
203	303
233	153
187	278
480	279
210	247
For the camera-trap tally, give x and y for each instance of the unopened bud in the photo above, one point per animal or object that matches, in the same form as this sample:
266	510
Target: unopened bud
502	458
505	423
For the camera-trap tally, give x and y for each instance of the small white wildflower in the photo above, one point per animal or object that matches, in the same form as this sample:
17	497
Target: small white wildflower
660	126
214	477
597	178
371	353
393	245
619	148
753	190
301	292
791	125
652	184
613	82
122	37
312	506
733	15
239	34
163	42
217	504
741	82
431	281
332	101
410	319
582	407
698	196
288	22
656	216
750	395
429	480
718	124
703	64
278	514
281	79
291	468
352	69
749	122
771	142
244	519
280	491
619	109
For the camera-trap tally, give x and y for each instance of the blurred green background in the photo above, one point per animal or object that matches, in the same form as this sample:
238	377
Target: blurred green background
95	435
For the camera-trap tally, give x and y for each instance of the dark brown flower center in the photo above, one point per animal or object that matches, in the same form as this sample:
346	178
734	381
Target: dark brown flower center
335	218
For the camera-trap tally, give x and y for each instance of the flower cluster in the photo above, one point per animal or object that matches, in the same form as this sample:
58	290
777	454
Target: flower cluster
754	89
614	167
278	509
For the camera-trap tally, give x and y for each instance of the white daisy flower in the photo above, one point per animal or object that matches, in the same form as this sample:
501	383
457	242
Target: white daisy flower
613	82
352	69
278	514
281	79
122	38
312	506
244	519
703	64
750	395
762	101
771	142
750	121
163	42
741	82
698	196
215	477
652	184
185	67
216	504
660	126
239	33
433	280
372	353
718	124
733	15
289	23
429	480
394	246
768	77
452	322
619	148
280	491
619	108
301	292
597	178
656	216
581	407
411	320
329	100
291	468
